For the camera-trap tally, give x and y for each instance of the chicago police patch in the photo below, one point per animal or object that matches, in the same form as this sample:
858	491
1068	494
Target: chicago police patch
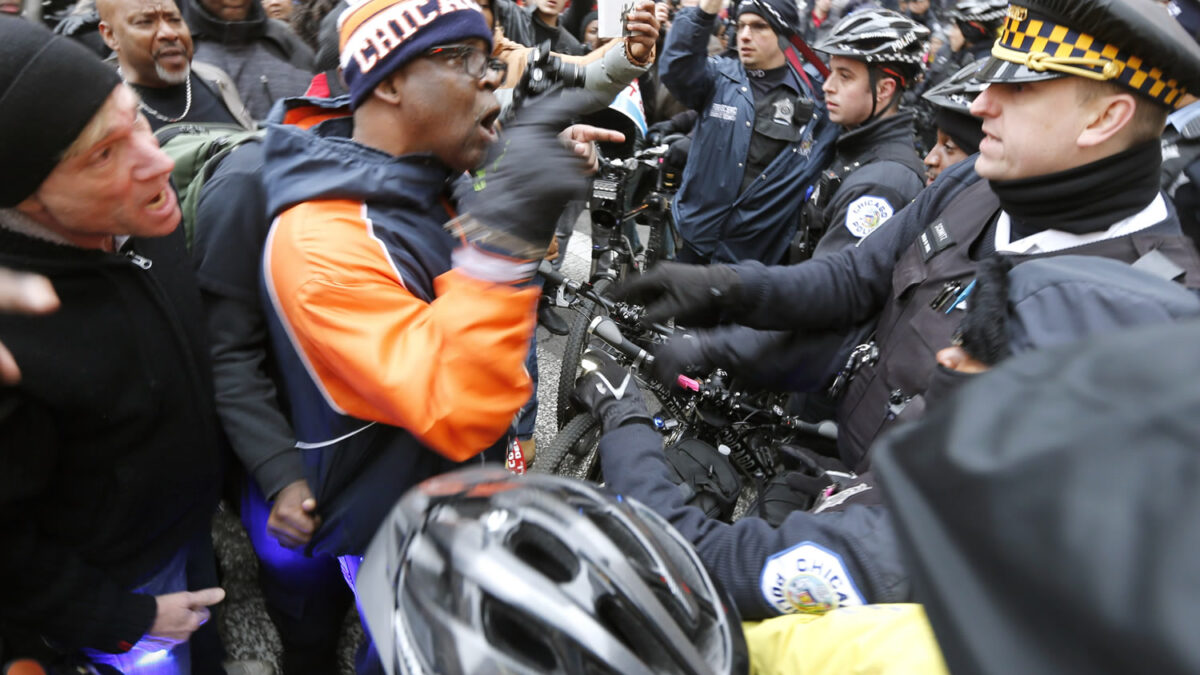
808	578
866	214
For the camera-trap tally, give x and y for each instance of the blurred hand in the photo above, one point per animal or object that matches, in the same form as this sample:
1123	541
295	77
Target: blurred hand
582	138
662	12
25	294
294	518
180	614
642	24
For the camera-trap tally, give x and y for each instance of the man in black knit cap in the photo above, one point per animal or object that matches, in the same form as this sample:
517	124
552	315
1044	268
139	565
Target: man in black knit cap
1069	162
109	470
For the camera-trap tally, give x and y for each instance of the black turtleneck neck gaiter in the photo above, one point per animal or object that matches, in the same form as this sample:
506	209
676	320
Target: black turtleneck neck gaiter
1088	198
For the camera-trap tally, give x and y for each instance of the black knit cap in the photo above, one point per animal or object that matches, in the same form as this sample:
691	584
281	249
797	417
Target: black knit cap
50	88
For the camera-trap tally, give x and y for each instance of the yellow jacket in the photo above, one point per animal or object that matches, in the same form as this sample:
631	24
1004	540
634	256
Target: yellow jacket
866	640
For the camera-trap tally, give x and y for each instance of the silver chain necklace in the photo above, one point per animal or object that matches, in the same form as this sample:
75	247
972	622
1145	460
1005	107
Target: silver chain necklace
186	108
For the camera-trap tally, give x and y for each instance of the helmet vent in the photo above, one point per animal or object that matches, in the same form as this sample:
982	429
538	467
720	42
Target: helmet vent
544	552
518	635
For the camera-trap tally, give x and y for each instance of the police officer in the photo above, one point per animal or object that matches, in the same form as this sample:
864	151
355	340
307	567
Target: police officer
972	30
1181	140
874	55
1070	161
762	134
958	132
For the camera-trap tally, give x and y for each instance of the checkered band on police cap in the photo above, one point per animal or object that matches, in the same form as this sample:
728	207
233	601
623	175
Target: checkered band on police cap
376	37
1042	44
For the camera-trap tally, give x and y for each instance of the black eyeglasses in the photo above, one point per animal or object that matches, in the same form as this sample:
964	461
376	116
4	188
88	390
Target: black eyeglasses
474	61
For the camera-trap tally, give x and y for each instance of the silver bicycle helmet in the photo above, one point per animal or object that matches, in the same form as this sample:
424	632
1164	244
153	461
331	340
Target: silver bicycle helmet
880	37
957	92
481	571
979	20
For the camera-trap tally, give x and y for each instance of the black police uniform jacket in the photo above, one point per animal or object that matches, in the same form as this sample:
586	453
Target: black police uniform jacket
109	460
809	563
889	277
875	173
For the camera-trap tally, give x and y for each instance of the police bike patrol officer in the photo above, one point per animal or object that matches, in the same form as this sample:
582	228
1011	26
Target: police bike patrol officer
762	132
1070	162
875	55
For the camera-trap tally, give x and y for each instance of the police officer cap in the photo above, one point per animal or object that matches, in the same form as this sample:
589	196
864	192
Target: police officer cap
1133	43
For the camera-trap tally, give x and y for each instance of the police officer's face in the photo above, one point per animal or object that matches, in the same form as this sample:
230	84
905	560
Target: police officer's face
758	46
943	156
1030	129
848	91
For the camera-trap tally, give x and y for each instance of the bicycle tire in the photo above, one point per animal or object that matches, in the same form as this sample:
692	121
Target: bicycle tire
574	452
577	344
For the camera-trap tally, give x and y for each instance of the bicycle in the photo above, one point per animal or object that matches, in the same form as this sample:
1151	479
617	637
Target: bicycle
746	426
613	255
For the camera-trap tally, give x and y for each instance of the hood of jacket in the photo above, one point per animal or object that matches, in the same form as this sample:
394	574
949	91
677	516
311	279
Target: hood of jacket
309	155
203	24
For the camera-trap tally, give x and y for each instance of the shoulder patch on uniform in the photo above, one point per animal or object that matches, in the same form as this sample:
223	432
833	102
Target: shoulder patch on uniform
866	214
808	578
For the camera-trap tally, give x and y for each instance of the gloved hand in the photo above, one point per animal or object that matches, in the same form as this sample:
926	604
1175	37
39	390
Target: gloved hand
510	208
681	355
677	153
695	295
610	393
656	131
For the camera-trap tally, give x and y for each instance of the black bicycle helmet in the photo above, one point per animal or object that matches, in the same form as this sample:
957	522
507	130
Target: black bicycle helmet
883	38
481	571
979	20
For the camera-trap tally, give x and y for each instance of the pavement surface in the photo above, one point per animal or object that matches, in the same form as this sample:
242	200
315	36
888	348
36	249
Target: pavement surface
242	619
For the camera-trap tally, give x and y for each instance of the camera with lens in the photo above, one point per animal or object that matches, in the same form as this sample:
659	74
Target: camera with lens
544	69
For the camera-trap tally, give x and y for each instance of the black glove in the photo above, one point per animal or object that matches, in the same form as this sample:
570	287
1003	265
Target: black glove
657	130
681	355
610	393
695	295
514	200
677	153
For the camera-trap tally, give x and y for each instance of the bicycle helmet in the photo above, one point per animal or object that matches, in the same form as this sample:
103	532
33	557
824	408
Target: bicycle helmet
481	571
979	20
957	92
883	38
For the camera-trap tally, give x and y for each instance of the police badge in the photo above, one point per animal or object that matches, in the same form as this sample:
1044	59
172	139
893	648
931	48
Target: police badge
784	109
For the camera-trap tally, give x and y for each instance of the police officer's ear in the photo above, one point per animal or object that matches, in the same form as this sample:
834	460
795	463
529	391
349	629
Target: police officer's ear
886	91
1108	112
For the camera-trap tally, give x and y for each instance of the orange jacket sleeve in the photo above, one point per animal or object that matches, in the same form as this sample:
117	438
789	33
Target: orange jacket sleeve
450	371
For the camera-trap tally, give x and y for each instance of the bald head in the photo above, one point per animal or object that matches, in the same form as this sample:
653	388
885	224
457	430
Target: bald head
151	40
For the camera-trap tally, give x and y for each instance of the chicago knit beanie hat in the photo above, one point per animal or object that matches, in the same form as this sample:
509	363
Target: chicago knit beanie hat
50	88
377	37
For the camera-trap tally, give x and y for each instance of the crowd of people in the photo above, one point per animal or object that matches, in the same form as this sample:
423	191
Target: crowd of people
285	255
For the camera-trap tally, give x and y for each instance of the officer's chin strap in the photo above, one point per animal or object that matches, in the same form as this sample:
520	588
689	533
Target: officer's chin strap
873	81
